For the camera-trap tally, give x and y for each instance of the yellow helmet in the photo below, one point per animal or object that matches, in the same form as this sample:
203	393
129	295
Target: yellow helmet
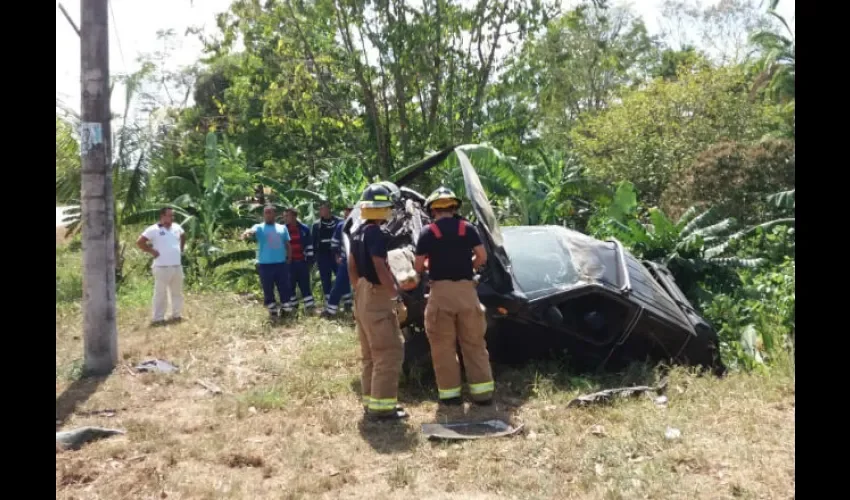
441	198
376	203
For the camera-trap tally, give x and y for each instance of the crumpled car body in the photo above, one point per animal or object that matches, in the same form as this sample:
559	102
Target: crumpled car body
549	290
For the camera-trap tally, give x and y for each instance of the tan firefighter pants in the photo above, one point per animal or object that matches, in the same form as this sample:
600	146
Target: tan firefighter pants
381	345
454	314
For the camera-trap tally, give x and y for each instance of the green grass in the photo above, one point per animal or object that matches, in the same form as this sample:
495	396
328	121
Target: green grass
289	421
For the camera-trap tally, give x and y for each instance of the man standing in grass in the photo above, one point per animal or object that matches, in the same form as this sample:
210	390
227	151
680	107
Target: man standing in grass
341	291
273	255
323	232
165	241
301	257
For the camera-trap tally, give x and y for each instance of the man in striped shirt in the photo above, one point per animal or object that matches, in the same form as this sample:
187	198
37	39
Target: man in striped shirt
301	245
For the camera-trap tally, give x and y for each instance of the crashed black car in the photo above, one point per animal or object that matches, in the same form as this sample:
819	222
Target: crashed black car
549	290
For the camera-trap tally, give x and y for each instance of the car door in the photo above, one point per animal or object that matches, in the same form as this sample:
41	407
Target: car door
498	263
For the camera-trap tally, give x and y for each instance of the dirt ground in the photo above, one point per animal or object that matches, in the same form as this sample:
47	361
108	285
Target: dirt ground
288	423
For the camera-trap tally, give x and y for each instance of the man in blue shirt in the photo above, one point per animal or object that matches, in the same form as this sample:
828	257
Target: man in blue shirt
273	255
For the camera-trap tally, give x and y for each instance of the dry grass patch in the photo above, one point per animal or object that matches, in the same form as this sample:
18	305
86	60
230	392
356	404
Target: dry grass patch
288	423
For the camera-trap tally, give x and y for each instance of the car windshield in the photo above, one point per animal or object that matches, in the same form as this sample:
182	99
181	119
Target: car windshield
541	261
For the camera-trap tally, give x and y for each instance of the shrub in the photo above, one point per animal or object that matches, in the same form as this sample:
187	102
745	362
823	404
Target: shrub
734	178
758	320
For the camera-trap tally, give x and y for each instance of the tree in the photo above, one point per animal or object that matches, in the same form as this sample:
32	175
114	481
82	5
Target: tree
389	80
734	178
656	132
721	29
777	66
581	61
672	60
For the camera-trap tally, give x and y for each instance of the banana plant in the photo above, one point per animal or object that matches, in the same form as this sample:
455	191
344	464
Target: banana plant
554	191
304	200
206	211
777	66
695	247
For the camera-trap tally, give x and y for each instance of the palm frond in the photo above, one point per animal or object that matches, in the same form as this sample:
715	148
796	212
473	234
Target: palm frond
715	230
698	221
240	272
783	200
737	262
305	194
185	185
686	217
235	256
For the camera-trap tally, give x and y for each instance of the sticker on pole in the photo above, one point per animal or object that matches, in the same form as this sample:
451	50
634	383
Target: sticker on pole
470	430
91	135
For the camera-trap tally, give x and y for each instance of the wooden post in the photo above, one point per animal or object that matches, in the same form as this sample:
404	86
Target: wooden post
98	218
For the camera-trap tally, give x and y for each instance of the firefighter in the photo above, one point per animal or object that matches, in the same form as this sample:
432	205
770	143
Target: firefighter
454	250
302	257
341	291
323	231
381	341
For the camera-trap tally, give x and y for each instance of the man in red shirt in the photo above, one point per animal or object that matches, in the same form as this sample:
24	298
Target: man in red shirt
302	257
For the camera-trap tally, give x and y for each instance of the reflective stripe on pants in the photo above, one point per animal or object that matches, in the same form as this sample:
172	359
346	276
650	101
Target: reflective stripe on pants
381	346
454	315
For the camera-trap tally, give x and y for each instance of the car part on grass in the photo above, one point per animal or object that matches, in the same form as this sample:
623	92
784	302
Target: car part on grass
470	430
73	440
549	290
609	395
156	366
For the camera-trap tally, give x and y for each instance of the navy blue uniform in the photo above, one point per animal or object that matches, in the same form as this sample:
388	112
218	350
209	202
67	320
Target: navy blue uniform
323	231
341	291
367	242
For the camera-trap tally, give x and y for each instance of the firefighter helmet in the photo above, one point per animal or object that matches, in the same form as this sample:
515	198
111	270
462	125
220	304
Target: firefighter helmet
442	198
395	192
376	202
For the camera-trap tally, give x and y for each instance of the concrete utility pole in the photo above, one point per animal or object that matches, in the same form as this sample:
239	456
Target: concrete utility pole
99	318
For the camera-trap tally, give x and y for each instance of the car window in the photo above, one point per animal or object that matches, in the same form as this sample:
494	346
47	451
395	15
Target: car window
540	259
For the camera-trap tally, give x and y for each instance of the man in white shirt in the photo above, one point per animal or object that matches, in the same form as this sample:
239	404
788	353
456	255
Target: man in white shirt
165	242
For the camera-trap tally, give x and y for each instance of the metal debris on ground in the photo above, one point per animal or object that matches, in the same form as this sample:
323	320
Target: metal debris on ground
470	430
209	386
156	366
99	413
608	395
73	440
672	433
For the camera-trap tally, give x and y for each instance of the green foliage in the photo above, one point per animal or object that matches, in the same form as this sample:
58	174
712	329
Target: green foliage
697	248
67	163
734	178
777	65
578	119
658	131
579	64
69	279
207	211
757	320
